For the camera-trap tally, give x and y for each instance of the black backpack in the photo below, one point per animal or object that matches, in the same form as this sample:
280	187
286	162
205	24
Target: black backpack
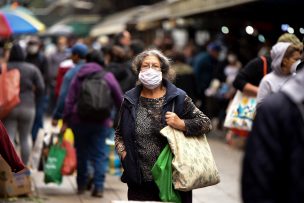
95	100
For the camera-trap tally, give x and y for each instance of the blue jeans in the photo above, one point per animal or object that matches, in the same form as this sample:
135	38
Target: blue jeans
90	147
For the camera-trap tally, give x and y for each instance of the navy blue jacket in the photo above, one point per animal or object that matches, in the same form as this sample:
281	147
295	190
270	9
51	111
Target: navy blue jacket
132	174
196	124
273	164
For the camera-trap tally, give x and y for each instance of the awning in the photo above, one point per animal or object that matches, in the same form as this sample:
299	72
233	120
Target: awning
181	8
117	22
79	25
153	15
191	7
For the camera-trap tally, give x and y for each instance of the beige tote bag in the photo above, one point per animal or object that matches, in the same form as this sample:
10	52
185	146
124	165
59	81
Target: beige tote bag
193	164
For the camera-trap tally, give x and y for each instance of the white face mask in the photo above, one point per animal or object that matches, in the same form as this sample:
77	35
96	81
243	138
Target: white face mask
32	49
150	78
294	66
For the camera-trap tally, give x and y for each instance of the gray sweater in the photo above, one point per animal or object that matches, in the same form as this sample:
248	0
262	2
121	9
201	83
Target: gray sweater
31	82
271	83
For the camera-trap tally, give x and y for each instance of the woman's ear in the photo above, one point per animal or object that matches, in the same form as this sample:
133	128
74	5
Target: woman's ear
284	65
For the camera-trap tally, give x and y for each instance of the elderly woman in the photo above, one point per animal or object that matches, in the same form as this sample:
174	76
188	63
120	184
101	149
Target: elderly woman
144	112
285	59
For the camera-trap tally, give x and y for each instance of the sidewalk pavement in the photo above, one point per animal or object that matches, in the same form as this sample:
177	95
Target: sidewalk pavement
228	161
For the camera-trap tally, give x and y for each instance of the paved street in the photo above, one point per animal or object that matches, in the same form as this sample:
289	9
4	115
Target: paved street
228	160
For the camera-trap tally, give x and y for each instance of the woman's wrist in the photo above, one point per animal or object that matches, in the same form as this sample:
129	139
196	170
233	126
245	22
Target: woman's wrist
182	125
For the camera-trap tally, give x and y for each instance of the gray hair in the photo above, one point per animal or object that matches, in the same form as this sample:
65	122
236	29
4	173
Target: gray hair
165	62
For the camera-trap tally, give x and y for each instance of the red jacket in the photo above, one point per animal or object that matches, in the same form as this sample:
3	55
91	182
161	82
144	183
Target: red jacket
7	151
62	70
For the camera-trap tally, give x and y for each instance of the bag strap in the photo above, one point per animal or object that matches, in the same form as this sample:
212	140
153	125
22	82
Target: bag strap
3	69
3	73
173	106
264	60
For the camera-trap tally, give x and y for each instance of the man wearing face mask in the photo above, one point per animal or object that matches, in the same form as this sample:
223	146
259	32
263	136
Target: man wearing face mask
285	59
36	57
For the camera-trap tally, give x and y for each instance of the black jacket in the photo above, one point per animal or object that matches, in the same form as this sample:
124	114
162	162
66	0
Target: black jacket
251	73
273	167
126	127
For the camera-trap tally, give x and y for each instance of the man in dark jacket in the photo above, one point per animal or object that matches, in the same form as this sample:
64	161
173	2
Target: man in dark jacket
36	57
273	163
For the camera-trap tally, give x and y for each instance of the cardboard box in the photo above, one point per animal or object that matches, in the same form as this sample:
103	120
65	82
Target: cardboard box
13	184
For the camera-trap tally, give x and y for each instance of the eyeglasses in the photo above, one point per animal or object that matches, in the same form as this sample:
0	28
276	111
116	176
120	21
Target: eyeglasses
148	66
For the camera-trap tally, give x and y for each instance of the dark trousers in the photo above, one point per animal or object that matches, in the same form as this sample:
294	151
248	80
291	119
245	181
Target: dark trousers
90	147
149	192
41	107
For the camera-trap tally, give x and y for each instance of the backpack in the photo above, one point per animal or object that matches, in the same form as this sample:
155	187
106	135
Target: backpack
95	100
9	90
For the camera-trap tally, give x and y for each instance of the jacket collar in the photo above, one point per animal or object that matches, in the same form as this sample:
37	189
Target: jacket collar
133	95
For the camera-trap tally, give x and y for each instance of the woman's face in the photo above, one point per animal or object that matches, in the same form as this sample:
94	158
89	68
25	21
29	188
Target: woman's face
291	60
150	62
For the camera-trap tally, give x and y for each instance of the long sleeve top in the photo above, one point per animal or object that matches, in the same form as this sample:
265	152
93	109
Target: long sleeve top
252	73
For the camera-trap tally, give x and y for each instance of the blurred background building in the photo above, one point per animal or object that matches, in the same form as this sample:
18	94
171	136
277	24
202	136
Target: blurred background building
245	26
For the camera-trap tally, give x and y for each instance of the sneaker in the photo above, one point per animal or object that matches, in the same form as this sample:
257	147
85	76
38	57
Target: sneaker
97	193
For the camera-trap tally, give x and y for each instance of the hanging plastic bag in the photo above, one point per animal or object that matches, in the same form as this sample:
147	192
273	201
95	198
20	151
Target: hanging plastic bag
9	90
69	163
52	168
162	175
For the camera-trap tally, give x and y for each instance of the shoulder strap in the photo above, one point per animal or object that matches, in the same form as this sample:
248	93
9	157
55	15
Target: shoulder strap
264	65
4	68
173	106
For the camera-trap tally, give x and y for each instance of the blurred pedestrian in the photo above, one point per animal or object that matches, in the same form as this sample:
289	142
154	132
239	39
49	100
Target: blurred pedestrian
89	134
20	119
63	68
249	77
285	59
144	112
62	52
273	162
204	65
79	52
123	39
184	75
116	62
35	56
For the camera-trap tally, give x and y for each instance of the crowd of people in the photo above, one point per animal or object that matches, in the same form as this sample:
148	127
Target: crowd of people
143	84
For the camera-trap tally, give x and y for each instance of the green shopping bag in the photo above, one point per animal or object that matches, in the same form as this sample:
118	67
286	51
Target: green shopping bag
52	168
162	175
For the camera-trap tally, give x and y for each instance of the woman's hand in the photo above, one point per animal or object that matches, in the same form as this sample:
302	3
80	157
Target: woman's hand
174	121
123	155
63	128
